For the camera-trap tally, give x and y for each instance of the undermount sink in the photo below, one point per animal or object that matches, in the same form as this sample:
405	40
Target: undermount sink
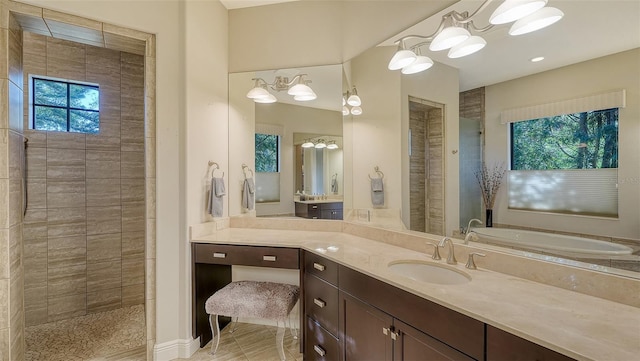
429	272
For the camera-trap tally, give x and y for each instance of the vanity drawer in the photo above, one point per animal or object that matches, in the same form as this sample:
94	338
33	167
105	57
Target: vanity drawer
321	302
275	257
321	267
320	345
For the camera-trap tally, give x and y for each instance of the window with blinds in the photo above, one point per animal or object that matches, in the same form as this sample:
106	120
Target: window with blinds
566	163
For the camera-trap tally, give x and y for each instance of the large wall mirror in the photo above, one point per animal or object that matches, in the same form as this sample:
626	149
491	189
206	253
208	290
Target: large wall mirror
603	57
291	121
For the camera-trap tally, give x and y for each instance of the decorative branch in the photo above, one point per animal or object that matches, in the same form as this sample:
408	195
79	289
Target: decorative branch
490	181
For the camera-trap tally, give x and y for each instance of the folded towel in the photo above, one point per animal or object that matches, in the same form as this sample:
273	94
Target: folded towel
216	202
248	193
334	186
377	192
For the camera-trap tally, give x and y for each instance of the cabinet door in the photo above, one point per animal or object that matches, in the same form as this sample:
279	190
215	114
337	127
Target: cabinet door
414	345
363	331
502	345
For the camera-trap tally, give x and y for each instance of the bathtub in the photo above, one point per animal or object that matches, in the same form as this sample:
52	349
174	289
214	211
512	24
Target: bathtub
562	245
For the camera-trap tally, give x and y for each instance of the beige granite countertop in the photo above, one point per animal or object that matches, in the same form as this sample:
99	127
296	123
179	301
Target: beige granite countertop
578	325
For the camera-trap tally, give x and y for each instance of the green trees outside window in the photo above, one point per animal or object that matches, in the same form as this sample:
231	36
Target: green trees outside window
586	140
267	153
65	106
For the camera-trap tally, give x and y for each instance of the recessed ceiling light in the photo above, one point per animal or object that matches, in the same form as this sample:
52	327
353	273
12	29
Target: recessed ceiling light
537	59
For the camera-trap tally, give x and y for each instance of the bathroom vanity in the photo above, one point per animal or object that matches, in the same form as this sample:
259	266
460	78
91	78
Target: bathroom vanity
353	307
319	209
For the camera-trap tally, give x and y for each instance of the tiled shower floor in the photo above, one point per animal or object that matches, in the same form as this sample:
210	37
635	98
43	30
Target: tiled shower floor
111	335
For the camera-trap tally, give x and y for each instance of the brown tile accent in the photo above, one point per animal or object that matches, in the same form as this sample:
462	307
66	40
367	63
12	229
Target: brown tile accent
65	163
133	295
103	220
104	247
133	217
104	300
67	280
103	164
133	243
133	270
132	165
62	222
60	308
64	140
103	276
132	190
103	192
65	193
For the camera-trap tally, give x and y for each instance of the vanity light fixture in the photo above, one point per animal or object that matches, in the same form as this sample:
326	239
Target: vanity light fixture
455	32
351	99
297	87
319	144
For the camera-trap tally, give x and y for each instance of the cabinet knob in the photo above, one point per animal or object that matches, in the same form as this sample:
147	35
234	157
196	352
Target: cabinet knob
314	207
386	331
219	255
318	266
269	258
320	303
319	350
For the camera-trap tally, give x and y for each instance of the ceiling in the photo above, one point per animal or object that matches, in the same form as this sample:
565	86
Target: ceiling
237	4
589	29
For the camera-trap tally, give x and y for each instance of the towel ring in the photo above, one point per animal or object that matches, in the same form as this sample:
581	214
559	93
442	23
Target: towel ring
246	168
378	171
215	166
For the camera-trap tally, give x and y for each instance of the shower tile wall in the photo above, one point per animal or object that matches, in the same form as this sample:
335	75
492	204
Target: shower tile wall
11	176
84	232
426	168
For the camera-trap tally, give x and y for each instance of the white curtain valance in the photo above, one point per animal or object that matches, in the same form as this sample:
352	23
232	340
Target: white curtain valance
615	99
271	129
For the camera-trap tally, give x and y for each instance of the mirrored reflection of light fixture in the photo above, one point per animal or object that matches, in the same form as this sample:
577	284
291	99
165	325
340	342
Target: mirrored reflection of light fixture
332	145
321	144
353	101
298	87
456	32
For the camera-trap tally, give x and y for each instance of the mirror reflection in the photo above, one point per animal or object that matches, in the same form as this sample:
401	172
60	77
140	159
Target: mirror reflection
473	92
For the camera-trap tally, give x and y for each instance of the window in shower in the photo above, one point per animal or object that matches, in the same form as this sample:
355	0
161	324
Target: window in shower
64	106
566	163
267	168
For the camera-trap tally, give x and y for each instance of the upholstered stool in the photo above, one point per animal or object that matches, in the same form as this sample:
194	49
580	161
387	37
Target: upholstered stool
252	299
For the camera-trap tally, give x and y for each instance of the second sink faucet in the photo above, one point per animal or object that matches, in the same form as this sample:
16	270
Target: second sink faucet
451	257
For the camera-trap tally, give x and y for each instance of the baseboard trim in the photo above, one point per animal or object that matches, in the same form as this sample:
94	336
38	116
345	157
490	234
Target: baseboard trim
175	349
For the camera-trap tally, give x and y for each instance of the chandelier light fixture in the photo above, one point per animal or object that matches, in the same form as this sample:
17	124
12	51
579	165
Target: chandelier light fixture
351	103
457	32
298	87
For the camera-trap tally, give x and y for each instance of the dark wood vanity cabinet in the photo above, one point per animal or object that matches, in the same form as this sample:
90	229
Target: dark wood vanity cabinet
321	210
376	321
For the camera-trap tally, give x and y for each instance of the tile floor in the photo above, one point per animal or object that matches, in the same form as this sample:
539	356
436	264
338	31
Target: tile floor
111	335
119	336
249	342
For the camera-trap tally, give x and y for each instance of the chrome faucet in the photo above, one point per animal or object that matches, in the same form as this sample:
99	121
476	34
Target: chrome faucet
451	257
470	236
466	230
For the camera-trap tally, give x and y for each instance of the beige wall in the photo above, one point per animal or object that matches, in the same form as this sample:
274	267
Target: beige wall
618	71
84	228
317	32
294	119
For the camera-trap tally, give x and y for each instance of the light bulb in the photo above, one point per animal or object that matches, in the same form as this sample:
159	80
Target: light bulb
268	99
536	21
422	63
449	37
512	10
401	59
467	47
345	111
356	110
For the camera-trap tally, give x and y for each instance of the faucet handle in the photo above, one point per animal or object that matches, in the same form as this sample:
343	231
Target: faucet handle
471	264
436	252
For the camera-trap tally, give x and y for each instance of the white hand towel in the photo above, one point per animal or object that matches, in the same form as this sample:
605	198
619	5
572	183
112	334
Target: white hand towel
216	202
377	192
248	193
334	186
